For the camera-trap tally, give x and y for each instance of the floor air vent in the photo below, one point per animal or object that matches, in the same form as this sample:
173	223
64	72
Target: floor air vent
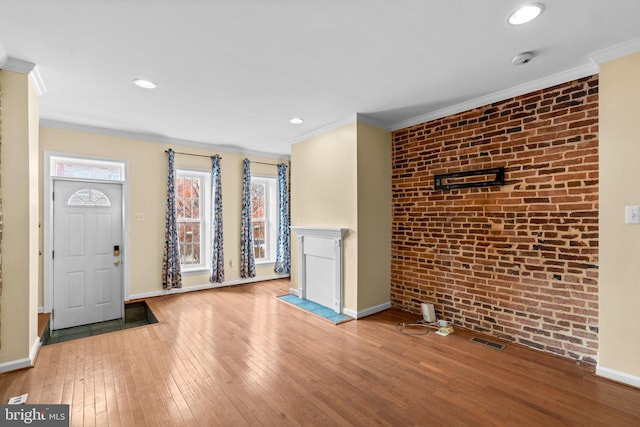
490	344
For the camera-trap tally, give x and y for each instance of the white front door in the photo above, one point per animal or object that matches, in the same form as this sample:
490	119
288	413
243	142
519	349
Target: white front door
87	234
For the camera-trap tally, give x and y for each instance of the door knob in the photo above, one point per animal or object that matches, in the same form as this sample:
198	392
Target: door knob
116	262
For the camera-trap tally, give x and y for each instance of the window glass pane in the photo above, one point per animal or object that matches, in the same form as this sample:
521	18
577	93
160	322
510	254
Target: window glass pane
257	200
195	208
88	197
87	169
259	242
179	207
179	198
189	236
195	188
188	198
188	233
195	237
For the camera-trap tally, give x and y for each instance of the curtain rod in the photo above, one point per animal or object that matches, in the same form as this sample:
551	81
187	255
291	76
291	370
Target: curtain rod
203	155
190	154
263	163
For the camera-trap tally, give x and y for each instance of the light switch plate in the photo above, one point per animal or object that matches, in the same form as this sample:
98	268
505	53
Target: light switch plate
632	214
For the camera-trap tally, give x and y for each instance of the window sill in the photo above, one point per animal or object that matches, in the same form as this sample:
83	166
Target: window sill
193	271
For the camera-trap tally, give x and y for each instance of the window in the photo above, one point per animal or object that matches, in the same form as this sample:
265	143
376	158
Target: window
192	199
264	200
70	167
89	197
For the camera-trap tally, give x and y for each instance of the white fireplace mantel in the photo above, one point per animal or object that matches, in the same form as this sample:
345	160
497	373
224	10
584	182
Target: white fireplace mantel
320	268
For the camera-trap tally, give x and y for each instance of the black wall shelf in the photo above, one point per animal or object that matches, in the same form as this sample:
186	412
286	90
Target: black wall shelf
450	181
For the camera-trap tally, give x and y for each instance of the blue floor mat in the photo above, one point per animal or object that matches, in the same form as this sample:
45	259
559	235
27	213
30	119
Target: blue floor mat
315	308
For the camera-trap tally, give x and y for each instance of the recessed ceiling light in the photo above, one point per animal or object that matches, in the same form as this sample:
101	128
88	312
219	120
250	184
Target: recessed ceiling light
145	84
296	120
526	13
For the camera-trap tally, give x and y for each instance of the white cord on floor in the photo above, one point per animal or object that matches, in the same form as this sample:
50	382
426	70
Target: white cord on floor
419	324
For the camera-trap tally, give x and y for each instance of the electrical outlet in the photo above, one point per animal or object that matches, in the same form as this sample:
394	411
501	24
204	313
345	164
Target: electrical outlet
139	217
230	262
19	400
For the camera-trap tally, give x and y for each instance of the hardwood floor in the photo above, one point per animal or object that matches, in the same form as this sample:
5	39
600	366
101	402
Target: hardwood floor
237	356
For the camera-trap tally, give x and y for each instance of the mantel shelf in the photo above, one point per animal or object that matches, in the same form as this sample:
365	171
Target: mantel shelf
325	232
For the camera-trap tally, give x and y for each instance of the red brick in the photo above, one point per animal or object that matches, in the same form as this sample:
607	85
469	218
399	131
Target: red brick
499	258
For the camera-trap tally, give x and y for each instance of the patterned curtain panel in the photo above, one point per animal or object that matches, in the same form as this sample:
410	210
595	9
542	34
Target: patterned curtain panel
217	251
283	250
171	275
247	260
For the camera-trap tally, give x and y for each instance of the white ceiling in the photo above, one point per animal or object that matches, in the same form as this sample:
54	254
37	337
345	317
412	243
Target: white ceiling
233	72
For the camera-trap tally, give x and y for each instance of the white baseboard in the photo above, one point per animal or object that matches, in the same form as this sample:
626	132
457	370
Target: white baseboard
205	286
367	311
15	365
40	310
351	313
22	363
33	354
618	376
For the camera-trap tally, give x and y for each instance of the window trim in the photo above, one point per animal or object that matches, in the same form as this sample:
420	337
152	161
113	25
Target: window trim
205	219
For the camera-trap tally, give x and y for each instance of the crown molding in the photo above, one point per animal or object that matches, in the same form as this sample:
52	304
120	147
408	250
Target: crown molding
37	81
76	127
354	118
363	118
324	129
616	51
25	67
18	65
575	73
3	56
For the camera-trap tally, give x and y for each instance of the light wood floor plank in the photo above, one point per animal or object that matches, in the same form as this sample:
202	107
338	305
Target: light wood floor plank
237	356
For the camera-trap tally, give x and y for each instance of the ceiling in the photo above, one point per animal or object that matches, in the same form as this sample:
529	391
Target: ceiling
231	73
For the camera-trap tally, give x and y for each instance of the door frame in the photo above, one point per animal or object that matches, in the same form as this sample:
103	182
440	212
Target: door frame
47	222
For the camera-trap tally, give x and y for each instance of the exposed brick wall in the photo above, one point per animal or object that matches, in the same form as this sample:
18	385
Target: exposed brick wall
518	261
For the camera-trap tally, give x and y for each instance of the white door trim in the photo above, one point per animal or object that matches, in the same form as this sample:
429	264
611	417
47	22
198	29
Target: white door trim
47	221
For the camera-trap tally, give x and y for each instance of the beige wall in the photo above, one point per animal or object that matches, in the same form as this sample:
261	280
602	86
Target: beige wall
147	192
374	216
619	282
323	194
20	221
33	211
343	179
